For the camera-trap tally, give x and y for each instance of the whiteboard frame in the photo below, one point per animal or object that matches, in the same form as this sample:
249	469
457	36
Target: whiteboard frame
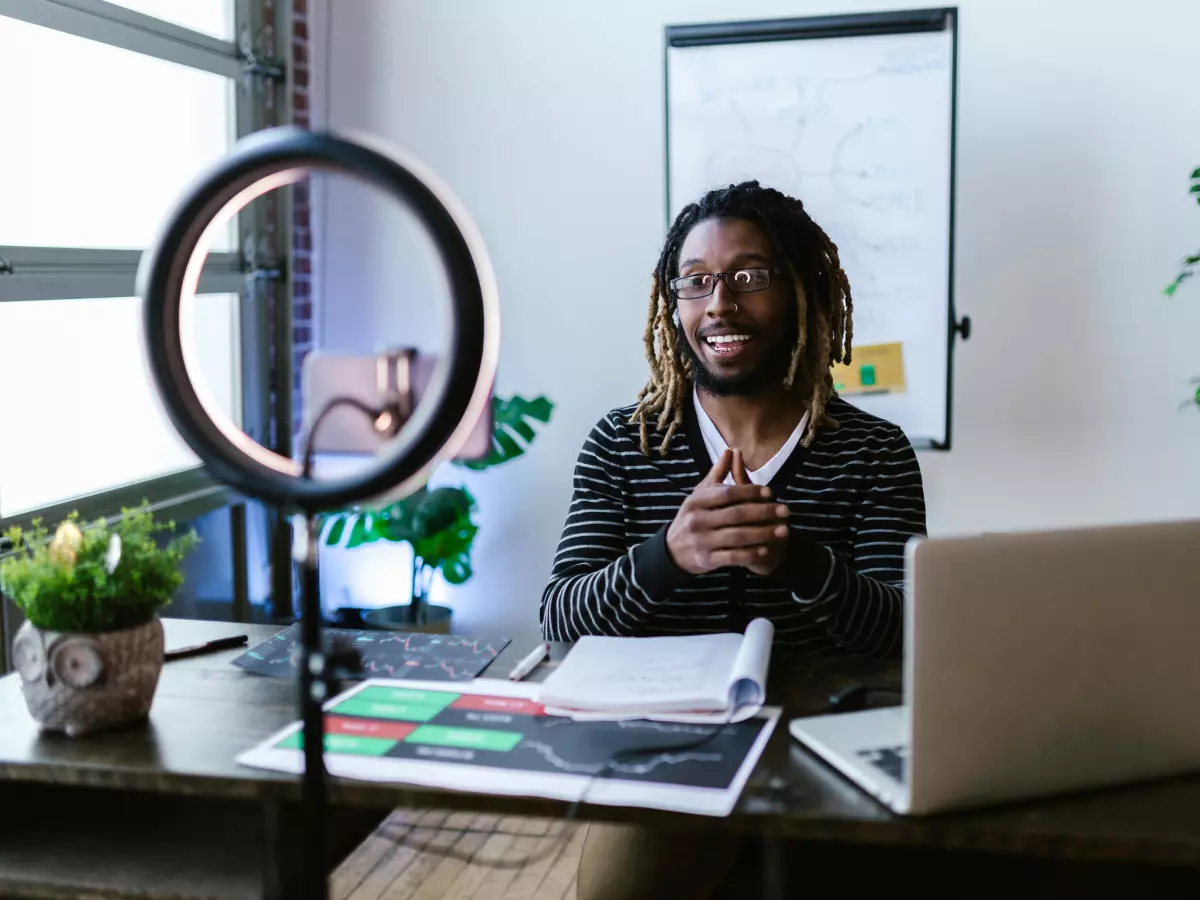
852	25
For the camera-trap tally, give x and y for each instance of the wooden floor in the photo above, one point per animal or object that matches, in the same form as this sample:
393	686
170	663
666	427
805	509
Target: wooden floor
440	855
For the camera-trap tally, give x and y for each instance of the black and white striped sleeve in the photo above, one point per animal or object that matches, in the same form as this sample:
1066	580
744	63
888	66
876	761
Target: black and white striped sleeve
860	601
600	583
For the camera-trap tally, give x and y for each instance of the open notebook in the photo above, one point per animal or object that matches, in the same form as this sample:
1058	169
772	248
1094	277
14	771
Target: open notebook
697	678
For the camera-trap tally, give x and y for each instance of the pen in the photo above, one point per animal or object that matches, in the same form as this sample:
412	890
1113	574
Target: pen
529	663
209	647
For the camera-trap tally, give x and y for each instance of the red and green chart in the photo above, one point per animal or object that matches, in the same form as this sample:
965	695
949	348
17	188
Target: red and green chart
493	737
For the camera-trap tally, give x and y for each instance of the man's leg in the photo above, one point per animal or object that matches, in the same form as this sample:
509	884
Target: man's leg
629	862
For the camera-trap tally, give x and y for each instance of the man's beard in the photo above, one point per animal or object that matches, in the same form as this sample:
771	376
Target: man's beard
770	372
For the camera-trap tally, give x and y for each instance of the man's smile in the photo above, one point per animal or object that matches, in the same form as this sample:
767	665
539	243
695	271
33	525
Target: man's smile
726	345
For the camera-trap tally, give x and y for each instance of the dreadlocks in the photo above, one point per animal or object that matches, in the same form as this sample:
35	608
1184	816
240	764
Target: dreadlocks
823	306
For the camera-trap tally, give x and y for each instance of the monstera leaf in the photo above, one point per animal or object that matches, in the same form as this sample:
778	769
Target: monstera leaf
1192	261
447	533
511	431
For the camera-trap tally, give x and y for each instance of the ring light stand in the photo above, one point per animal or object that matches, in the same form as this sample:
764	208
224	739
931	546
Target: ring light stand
458	393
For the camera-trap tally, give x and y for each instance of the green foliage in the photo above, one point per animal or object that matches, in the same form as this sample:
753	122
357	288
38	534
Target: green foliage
1190	262
64	583
438	523
510	427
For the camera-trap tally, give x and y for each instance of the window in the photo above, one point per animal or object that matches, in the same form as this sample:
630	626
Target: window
119	106
111	139
213	17
91	421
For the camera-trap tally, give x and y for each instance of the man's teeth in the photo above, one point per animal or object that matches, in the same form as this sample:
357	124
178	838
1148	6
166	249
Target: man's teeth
728	338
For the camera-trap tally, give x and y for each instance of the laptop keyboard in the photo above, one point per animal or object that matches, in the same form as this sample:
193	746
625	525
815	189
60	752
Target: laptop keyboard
892	761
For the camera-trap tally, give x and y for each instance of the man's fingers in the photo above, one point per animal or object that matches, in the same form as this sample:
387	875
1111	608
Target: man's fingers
720	559
739	468
710	496
749	536
717	473
755	513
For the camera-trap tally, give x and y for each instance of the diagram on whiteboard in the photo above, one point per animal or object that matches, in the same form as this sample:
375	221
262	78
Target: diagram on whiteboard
859	129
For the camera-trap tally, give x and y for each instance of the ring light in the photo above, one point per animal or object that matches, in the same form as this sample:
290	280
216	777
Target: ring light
457	396
459	391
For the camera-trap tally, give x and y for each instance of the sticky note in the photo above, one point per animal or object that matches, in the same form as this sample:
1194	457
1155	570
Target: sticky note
877	369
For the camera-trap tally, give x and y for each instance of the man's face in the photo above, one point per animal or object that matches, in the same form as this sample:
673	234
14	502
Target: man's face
739	342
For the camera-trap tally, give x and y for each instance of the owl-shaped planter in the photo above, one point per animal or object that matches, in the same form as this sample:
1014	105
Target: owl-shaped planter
83	683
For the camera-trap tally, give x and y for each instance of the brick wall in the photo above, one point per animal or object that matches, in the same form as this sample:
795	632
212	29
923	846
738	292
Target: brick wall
302	298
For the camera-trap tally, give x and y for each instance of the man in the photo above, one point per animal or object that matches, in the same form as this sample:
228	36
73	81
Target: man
738	486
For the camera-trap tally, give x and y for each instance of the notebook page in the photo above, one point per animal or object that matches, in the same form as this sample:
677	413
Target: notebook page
645	674
748	679
747	690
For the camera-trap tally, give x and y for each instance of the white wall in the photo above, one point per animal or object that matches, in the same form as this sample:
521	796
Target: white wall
1076	136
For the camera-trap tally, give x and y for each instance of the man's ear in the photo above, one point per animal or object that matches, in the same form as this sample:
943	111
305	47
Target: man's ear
675	316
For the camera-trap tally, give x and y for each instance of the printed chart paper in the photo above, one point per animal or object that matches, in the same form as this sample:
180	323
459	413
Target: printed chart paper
385	654
491	736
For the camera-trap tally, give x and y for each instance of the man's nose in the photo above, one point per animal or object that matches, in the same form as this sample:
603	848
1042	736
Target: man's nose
722	301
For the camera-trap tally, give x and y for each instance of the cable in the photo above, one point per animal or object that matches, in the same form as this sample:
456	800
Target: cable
854	697
562	837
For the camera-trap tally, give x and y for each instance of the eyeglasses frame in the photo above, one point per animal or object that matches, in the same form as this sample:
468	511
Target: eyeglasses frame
770	270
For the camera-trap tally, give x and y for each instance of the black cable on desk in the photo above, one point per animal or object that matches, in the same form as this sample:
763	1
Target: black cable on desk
852	698
561	838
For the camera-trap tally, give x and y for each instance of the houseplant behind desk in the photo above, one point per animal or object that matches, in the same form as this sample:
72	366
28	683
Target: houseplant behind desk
436	523
91	651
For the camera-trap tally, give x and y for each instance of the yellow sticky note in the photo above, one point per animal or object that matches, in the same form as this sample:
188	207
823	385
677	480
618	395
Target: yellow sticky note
874	369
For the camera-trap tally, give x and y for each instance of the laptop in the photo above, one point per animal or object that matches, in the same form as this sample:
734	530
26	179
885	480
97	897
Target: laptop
1035	664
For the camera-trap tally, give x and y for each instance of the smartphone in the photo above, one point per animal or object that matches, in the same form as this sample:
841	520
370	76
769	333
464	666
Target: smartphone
347	430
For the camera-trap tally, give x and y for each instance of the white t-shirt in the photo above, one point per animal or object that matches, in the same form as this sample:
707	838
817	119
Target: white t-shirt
716	445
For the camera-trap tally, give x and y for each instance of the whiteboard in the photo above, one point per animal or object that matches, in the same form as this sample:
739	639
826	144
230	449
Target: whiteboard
859	126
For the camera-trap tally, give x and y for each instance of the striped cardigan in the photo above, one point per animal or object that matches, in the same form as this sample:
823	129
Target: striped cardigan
855	498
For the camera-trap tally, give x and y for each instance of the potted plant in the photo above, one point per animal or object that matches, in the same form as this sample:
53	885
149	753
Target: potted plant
437	523
91	650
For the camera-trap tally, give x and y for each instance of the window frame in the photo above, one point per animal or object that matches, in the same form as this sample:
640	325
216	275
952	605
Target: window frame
68	273
119	26
46	274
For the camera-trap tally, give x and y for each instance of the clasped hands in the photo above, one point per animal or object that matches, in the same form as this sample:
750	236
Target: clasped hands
722	525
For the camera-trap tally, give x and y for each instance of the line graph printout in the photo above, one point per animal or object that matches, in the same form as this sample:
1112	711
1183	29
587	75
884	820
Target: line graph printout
384	654
492	737
859	129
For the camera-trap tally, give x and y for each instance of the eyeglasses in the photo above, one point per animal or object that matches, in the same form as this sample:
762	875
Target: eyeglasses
740	281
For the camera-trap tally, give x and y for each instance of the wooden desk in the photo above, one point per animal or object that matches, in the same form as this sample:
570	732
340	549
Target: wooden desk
163	805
